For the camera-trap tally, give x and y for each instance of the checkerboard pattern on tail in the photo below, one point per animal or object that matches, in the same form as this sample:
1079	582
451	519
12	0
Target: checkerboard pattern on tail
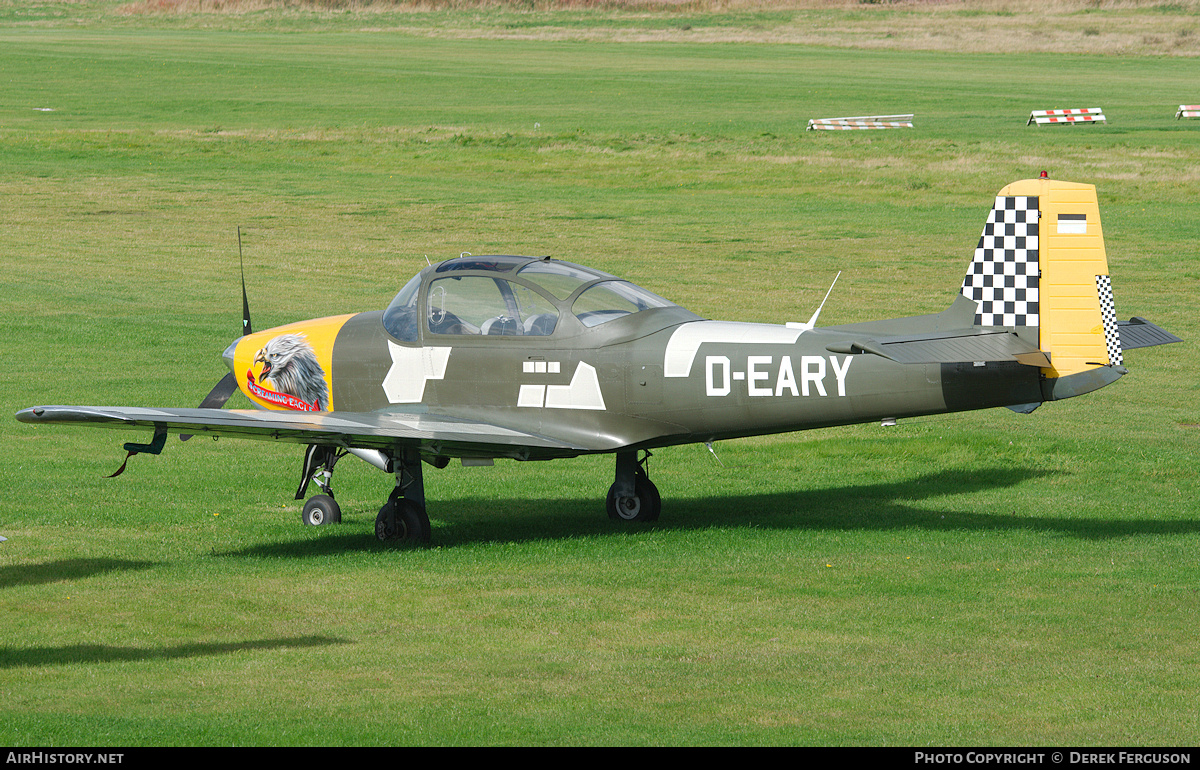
1003	276
1108	312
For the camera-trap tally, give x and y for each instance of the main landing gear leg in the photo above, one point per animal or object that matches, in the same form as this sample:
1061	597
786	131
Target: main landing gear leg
402	517
633	496
318	466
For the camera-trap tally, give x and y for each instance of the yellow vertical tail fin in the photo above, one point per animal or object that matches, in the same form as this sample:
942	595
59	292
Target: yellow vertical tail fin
1041	264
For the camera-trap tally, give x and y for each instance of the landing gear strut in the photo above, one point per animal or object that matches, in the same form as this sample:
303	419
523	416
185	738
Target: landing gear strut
633	496
318	466
403	518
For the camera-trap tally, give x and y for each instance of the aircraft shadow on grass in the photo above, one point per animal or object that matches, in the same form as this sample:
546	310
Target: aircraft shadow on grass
30	657
70	570
889	506
63	570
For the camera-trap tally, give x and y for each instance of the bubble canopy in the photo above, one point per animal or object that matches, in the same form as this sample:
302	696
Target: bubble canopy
511	296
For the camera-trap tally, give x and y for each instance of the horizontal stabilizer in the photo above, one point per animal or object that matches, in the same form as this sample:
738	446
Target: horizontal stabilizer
951	347
1140	333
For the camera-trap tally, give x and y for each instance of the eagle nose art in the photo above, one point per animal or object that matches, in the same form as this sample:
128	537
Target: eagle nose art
288	367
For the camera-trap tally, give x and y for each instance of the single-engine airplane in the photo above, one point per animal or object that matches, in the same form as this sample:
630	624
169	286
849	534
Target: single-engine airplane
532	359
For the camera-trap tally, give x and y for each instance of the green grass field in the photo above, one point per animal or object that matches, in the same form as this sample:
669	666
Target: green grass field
980	579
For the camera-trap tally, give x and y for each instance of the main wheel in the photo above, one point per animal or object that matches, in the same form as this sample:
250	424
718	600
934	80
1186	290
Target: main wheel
644	505
402	520
320	510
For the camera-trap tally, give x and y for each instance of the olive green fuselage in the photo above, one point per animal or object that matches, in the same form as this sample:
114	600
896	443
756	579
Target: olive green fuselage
655	378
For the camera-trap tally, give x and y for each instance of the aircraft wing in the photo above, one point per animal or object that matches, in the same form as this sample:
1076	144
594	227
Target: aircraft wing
437	434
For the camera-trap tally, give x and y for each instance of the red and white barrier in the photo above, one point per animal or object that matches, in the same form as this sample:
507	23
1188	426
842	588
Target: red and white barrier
1188	111
1070	117
860	122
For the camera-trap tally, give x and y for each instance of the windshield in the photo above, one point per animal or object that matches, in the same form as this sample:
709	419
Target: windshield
400	318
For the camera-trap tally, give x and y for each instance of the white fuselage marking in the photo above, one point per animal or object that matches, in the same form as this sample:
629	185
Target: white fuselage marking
411	369
686	340
582	393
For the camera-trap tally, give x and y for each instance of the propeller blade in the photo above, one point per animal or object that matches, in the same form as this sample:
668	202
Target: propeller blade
221	392
245	302
216	397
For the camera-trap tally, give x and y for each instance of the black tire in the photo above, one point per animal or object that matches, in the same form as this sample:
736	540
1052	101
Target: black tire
402	521
321	510
645	505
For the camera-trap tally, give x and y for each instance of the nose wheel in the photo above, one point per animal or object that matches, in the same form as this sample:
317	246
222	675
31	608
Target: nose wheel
321	510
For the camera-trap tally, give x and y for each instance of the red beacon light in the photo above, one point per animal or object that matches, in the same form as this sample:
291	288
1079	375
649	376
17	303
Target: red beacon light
1043	175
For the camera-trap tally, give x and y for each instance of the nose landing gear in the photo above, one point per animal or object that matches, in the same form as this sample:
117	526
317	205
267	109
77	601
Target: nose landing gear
318	466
